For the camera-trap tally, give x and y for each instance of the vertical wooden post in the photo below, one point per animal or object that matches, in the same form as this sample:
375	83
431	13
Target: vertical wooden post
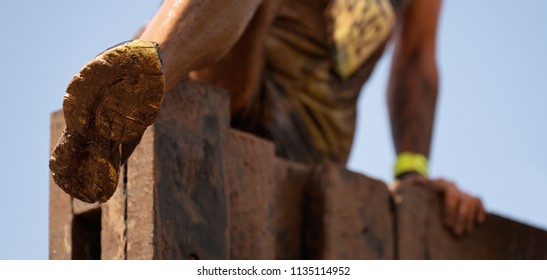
176	198
264	200
60	204
348	216
250	183
288	208
114	224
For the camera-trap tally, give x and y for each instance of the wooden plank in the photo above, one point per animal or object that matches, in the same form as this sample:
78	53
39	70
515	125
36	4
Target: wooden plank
348	216
250	183
190	199
412	218
422	235
265	199
113	222
288	208
60	204
140	186
176	206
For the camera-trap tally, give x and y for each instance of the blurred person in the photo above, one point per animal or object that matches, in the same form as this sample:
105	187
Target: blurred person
294	71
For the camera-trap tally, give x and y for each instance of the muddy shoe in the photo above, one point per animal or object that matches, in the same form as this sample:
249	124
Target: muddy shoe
108	106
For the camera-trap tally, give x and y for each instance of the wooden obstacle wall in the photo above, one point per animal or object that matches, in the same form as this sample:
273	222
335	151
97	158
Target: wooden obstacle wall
197	189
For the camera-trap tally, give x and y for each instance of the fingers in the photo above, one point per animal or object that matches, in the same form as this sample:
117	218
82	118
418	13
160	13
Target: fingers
465	220
470	224
462	212
470	213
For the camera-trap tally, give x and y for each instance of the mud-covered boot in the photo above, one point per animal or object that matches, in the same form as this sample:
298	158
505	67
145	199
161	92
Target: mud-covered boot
107	105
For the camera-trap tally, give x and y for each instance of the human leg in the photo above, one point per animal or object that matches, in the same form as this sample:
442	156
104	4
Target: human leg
112	100
197	33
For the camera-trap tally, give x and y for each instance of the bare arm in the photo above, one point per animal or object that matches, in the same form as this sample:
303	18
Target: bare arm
413	85
412	98
196	33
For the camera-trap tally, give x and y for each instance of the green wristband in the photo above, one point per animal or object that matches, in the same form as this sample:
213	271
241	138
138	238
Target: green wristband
411	162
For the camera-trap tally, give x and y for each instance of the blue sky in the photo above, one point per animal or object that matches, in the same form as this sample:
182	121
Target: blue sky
490	134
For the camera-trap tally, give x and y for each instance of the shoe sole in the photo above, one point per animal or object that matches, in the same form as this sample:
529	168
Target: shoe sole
109	103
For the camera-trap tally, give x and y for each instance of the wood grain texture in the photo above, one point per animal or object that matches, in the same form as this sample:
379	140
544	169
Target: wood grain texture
60	204
113	222
141	183
176	201
288	211
250	184
348	216
190	199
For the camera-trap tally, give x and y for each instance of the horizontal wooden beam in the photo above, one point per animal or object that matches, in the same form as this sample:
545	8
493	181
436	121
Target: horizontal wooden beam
421	234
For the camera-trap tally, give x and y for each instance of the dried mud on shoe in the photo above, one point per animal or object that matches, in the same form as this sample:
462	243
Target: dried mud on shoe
108	104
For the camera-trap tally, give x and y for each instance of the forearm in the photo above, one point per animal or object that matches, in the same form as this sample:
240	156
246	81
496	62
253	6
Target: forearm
412	91
196	33
412	98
